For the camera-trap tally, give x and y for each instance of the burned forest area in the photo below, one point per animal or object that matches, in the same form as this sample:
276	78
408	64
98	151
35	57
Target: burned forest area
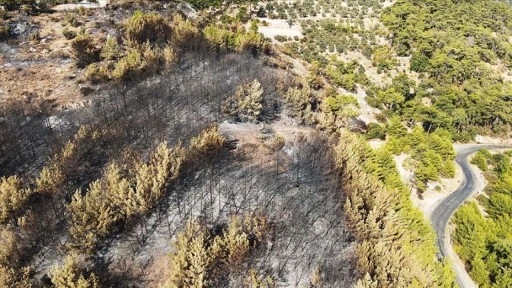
118	192
288	143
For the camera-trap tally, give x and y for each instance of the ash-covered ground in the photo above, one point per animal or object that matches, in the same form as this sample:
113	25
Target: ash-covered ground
294	184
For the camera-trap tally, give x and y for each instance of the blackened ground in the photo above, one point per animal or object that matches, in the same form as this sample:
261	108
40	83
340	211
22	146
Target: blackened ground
296	186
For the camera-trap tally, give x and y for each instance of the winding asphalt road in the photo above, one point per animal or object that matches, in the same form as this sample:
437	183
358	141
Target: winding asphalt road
444	210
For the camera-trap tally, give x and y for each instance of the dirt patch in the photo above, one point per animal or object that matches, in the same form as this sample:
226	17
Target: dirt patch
480	139
436	192
81	5
280	27
39	67
46	82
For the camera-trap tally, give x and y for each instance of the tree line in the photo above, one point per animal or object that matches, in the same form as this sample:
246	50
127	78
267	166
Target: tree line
396	246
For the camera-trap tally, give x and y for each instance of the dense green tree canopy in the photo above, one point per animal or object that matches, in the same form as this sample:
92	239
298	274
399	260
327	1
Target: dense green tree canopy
484	240
462	47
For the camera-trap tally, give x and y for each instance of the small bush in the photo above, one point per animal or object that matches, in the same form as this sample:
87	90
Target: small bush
73	273
336	103
183	31
348	81
169	56
3	14
111	50
146	27
262	13
68	34
242	15
201	4
419	62
236	40
71	20
4	31
480	160
375	131
97	73
300	101
137	63
281	38
129	66
246	104
34	37
383	59
84	51
219	36
250	42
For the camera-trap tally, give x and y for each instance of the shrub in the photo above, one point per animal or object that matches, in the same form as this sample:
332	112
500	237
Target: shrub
375	131
419	62
339	110
238	40
339	102
200	260
348	82
480	161
68	34
10	277
261	13
111	50
129	66
250	42
201	4
34	37
84	51
71	274
13	197
146	27
246	104
4	30
219	36
383	58
137	63
281	38
71	20
97	72
300	103
169	56
183	31
242	14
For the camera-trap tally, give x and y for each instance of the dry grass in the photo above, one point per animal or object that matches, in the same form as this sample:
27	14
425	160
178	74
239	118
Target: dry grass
42	71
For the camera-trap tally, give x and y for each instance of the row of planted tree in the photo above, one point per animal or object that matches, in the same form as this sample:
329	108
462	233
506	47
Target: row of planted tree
122	193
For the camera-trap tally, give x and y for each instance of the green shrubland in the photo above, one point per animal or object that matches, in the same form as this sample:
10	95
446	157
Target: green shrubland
483	233
432	154
455	44
396	246
235	38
